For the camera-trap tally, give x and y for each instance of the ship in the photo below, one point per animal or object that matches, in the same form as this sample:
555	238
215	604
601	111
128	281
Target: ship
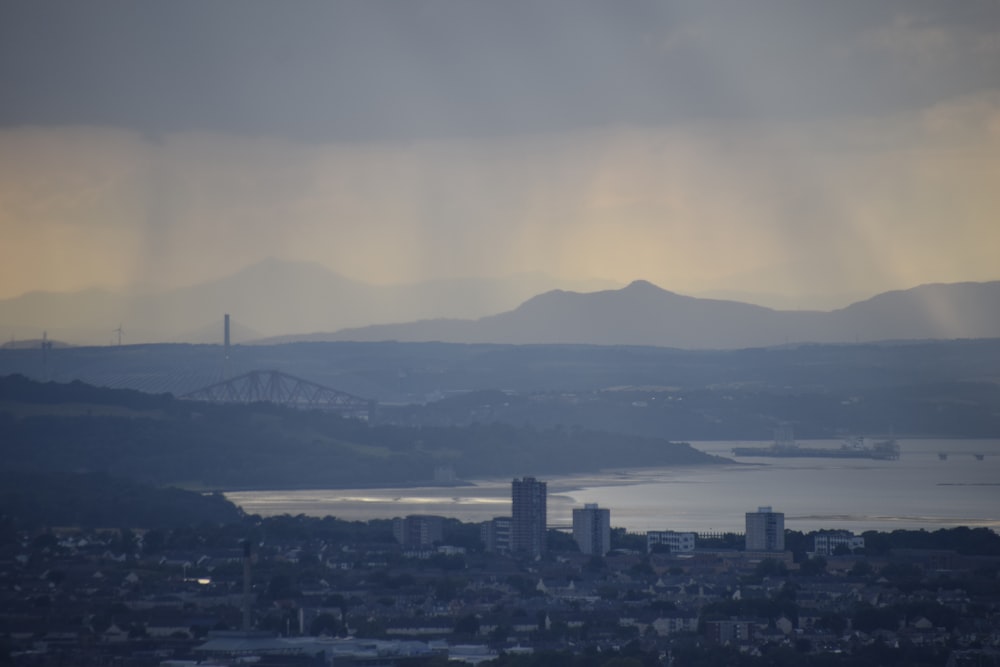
853	448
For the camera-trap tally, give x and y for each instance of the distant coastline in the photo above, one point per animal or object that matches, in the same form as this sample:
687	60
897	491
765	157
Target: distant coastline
918	491
457	484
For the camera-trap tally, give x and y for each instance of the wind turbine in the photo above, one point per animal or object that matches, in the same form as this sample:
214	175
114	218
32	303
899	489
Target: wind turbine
119	332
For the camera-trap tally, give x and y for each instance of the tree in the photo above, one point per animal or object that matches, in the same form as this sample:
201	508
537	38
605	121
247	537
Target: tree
861	568
499	634
446	589
897	570
153	541
641	568
770	567
467	625
834	622
813	566
608	592
595	564
556	540
663	606
127	542
324	624
280	588
445	562
623	662
625	541
868	618
45	541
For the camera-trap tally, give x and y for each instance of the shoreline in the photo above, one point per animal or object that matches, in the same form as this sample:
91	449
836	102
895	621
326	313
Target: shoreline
917	491
457	484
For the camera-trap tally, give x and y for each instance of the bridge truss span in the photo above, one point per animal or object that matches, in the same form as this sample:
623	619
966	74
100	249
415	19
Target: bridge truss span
283	389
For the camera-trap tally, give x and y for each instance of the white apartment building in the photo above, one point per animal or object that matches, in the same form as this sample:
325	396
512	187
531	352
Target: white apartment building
678	542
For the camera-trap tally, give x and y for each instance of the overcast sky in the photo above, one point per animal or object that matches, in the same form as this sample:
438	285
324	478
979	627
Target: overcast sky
796	148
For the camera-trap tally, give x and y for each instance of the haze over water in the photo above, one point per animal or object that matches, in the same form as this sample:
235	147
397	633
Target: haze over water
920	490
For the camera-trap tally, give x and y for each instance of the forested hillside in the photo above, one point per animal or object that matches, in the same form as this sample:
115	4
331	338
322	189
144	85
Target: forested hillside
97	499
914	389
162	440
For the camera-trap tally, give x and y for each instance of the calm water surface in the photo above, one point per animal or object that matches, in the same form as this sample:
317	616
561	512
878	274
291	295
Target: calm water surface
920	490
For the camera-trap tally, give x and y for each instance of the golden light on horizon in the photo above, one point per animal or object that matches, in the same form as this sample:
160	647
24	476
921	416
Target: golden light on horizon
754	207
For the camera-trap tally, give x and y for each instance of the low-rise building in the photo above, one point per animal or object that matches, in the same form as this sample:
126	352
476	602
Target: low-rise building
677	542
495	534
824	544
418	530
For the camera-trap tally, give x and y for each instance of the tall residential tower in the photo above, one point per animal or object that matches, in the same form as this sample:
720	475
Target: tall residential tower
765	530
592	529
527	534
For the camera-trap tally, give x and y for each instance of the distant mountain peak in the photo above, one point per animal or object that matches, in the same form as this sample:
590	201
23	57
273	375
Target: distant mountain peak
644	286
643	314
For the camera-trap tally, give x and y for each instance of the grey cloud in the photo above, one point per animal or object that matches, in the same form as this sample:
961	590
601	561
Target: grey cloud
402	70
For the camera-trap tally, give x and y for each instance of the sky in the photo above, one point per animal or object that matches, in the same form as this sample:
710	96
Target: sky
805	151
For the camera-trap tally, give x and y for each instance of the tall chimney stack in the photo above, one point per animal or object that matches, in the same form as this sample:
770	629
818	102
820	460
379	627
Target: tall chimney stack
226	370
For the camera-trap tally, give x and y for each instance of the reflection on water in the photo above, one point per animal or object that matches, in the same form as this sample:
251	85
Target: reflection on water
920	490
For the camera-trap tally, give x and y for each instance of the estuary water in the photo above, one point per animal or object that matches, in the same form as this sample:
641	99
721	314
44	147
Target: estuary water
934	484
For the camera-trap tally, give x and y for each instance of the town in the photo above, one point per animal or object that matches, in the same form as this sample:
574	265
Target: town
418	590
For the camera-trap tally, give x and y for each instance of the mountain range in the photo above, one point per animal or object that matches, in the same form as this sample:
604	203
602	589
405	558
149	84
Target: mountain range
278	301
644	314
270	298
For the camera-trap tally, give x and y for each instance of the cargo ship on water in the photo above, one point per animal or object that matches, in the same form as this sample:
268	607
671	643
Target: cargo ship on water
855	448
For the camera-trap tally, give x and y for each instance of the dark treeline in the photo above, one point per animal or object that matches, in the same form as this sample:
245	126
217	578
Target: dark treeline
20	389
826	390
695	654
740	411
964	540
162	440
100	500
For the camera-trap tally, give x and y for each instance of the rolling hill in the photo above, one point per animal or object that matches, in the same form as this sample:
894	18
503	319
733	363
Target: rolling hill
157	439
270	298
644	314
